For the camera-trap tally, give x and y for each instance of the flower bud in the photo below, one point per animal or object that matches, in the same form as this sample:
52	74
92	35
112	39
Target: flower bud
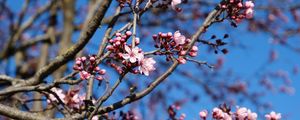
128	33
181	60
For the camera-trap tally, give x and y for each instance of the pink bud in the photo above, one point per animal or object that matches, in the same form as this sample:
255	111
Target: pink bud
164	35
102	71
169	34
117	43
137	41
188	40
223	6
82	76
122	40
154	37
203	114
78	62
110	47
97	68
159	33
182	116
118	38
75	67
182	52
78	59
118	34
135	71
79	68
240	4
92	58
83	58
173	43
193	54
181	60
128	33
99	78
124	37
84	73
194	49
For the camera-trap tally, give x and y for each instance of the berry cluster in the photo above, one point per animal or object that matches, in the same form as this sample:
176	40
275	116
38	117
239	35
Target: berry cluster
87	66
237	10
171	45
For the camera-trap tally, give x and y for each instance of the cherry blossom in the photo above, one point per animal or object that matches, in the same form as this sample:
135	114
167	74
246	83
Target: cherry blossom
244	113
249	13
178	38
147	65
95	118
218	113
59	93
133	54
182	116
273	116
249	4
203	114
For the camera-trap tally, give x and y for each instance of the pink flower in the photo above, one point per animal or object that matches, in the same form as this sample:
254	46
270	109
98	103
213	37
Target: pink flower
203	114
243	113
252	115
175	3
273	116
182	116
59	93
218	113
249	13
95	117
74	100
178	38
249	4
133	54
147	65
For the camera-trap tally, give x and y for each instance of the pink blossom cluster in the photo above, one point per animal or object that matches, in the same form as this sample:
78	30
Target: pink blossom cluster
237	10
242	113
129	56
171	45
273	116
72	99
87	67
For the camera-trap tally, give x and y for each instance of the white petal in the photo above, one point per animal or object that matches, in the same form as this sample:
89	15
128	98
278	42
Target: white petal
127	49
132	59
126	56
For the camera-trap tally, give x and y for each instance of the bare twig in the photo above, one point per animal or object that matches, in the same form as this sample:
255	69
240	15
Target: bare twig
200	62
